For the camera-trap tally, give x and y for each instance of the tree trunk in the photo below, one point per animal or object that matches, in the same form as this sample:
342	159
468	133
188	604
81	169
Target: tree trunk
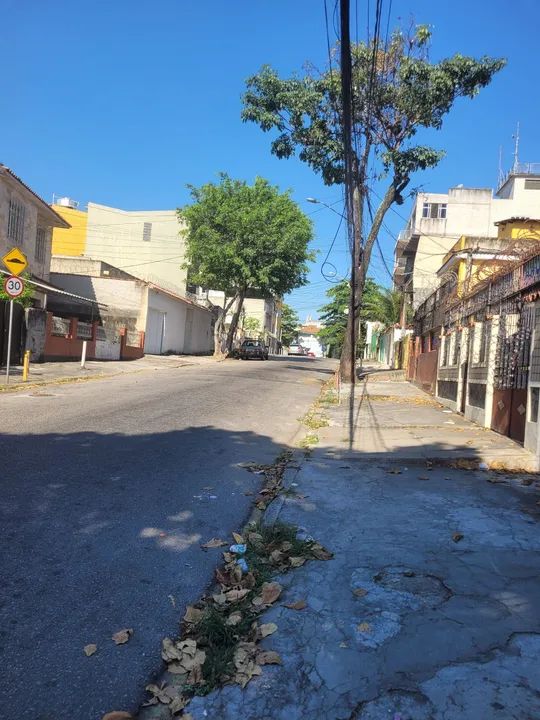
234	322
219	327
346	363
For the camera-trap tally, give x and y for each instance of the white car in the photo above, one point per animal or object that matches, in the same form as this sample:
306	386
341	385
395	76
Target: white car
296	349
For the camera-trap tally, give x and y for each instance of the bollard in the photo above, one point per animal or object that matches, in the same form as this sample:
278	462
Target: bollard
83	356
26	365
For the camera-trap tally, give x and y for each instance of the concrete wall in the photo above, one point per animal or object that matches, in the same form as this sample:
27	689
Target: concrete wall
36	333
117	237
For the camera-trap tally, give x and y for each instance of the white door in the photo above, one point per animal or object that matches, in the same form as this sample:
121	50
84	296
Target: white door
155	326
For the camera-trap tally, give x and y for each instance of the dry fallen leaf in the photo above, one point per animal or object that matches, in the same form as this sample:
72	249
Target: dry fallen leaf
235	595
269	594
423	477
117	715
359	592
298	605
268	657
364	627
266	629
321	553
122	636
276	556
296	561
214	543
90	649
456	537
193	615
238	538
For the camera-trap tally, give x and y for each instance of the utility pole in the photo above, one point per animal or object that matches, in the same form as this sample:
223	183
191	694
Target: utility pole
350	191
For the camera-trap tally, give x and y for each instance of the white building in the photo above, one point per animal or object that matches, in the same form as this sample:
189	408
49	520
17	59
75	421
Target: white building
308	337
171	323
438	220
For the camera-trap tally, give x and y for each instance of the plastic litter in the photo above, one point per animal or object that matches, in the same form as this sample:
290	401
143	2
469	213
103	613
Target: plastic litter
242	564
238	549
483	466
304	536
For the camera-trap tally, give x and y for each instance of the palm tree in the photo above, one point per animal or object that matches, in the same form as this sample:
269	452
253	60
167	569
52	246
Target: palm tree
382	305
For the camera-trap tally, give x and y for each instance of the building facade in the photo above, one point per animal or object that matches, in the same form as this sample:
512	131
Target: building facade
439	220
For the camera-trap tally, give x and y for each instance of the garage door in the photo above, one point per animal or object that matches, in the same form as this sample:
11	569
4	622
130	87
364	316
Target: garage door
155	328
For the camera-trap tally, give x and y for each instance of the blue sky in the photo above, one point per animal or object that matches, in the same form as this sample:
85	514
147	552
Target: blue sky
124	103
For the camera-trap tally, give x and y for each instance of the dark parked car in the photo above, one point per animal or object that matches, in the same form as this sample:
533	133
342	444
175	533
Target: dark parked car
253	349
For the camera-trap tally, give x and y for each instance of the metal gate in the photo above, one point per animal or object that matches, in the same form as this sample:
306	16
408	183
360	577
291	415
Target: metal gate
155	329
512	363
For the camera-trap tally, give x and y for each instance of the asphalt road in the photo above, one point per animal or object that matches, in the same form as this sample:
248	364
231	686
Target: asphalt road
108	489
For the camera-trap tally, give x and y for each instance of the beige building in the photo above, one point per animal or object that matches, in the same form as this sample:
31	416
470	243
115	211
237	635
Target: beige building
146	243
439	220
26	222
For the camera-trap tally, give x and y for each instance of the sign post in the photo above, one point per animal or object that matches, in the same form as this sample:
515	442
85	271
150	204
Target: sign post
16	262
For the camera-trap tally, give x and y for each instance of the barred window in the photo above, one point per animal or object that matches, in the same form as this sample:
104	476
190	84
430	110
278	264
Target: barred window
484	342
16	222
446	352
41	237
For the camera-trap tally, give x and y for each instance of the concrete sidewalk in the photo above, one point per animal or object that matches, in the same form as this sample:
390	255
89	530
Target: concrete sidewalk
54	372
399	419
429	608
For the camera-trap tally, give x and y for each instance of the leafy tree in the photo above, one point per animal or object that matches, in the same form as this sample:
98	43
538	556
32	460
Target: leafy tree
397	91
244	237
252	326
334	315
289	324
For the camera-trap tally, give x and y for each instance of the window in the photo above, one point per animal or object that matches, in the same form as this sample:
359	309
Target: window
16	222
147	232
446	352
435	211
532	184
41	236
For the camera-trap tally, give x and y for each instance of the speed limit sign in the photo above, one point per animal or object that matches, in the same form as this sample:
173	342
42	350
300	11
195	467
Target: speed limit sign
14	286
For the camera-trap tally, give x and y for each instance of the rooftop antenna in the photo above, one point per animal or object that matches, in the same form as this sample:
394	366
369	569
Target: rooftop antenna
516	149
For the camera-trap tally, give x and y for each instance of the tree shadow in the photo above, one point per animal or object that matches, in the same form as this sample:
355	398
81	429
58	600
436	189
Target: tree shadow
103	532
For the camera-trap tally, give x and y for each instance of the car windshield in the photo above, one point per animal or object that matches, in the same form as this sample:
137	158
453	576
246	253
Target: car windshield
251	343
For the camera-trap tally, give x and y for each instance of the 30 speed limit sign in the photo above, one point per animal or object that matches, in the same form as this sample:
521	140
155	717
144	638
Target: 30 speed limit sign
14	286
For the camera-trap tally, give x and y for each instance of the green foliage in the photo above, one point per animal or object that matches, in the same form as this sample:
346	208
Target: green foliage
289	324
252	326
333	315
407	93
242	237
381	305
25	299
378	304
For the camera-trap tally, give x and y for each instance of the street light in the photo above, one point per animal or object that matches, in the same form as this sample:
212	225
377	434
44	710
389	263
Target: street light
320	202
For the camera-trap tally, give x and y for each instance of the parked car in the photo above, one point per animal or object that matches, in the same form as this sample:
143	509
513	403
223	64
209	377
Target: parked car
296	349
251	349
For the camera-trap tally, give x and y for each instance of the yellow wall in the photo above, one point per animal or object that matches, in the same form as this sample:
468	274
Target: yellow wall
71	241
520	230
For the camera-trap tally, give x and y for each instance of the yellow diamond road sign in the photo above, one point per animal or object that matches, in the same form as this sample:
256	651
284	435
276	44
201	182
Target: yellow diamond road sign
15	261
